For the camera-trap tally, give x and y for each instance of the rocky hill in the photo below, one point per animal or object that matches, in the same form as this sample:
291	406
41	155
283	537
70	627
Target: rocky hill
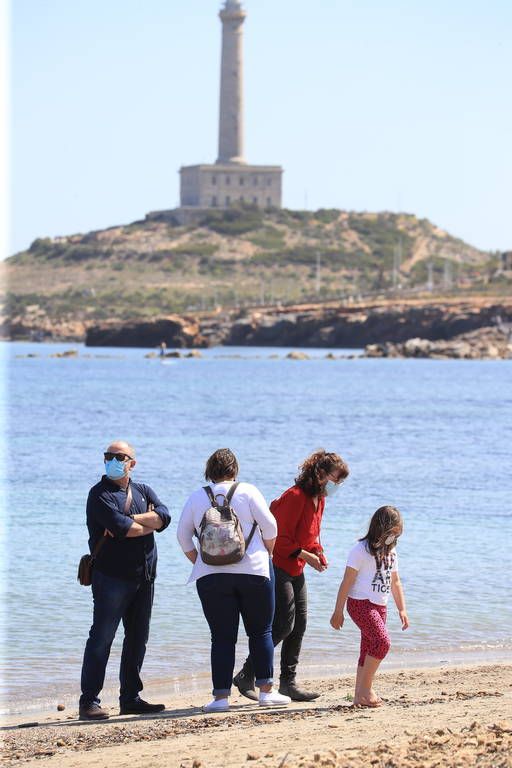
240	257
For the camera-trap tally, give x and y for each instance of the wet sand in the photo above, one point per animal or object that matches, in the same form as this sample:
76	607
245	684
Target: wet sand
447	716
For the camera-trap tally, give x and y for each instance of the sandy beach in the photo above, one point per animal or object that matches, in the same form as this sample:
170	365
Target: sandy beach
445	716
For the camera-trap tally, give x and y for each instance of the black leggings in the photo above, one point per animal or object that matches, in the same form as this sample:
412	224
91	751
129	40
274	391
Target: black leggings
289	623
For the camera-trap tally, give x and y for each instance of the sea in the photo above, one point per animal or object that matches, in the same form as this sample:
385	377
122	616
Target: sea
431	437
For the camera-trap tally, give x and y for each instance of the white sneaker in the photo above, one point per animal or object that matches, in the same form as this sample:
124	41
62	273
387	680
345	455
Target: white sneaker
273	699
217	705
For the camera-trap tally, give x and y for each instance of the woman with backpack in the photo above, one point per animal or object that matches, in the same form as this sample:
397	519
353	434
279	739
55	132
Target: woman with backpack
236	533
298	512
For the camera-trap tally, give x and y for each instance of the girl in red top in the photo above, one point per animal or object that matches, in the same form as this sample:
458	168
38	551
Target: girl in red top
298	512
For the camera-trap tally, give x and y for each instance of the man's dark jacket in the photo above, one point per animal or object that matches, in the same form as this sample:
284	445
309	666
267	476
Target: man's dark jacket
124	558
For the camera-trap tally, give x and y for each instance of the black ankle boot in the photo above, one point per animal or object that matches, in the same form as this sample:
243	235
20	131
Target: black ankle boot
289	688
246	685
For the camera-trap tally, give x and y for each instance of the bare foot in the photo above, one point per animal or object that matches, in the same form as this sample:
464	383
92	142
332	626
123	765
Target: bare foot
368	701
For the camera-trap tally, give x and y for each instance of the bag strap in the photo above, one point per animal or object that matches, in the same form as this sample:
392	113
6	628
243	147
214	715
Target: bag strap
126	510
249	538
231	492
227	497
210	495
129	497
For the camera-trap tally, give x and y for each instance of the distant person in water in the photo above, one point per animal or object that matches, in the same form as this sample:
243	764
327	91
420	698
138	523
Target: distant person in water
124	516
298	512
370	576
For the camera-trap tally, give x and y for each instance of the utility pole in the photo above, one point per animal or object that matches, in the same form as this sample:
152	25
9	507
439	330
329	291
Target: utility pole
430	279
397	264
447	275
317	275
262	293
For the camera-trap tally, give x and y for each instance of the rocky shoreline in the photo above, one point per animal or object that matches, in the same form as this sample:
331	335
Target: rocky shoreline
470	329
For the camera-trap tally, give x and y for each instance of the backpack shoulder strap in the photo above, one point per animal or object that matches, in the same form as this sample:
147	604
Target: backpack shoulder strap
230	493
210	495
249	538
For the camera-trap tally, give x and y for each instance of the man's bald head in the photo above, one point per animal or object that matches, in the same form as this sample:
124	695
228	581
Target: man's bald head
121	446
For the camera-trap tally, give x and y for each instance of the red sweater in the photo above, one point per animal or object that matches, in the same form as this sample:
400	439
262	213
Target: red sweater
298	527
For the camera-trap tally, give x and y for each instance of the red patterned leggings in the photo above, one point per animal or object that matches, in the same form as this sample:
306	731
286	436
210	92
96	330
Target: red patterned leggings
371	620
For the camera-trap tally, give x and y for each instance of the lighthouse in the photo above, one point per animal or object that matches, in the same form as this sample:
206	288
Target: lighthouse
231	180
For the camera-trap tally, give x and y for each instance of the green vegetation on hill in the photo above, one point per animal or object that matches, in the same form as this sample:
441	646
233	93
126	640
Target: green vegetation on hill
238	256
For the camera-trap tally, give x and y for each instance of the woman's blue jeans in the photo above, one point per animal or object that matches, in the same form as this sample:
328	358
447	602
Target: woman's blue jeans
225	597
116	599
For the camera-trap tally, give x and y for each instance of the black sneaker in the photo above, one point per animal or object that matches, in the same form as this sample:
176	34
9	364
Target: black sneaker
92	712
297	694
140	707
246	686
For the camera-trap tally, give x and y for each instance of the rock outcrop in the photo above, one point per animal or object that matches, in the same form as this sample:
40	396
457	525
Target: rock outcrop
175	331
484	344
356	327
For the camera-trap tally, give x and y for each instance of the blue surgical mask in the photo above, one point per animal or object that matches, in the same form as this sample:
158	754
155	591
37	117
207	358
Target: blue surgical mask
331	488
115	469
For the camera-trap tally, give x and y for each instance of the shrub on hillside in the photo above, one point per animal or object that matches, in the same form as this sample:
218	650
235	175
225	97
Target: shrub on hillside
327	215
233	221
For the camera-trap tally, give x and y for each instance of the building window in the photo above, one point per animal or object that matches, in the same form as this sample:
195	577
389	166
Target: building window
214	201
214	179
255	200
228	180
228	199
255	181
269	182
242	181
269	202
241	198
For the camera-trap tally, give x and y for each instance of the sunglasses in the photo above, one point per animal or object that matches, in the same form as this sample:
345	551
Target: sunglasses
108	456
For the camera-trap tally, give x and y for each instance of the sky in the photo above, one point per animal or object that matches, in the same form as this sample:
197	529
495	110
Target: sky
369	105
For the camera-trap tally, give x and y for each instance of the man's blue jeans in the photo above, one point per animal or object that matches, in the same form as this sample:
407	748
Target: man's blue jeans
116	599
225	597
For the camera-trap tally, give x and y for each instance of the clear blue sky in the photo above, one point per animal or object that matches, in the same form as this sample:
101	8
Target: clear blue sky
367	104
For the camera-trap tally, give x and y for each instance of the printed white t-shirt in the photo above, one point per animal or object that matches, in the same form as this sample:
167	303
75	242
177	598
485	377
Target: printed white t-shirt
250	507
373	580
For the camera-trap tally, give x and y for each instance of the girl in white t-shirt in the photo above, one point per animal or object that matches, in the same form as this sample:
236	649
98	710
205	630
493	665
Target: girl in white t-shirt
371	574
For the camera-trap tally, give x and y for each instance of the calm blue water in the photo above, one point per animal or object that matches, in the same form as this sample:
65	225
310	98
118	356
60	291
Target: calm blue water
431	437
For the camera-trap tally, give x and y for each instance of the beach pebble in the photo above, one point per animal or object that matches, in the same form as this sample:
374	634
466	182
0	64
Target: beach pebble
61	743
252	756
61	707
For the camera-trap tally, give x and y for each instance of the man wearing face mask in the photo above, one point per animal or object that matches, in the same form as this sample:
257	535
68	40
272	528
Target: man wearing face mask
298	512
123	516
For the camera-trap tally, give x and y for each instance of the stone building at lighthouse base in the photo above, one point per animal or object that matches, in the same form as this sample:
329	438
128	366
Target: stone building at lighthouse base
223	185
